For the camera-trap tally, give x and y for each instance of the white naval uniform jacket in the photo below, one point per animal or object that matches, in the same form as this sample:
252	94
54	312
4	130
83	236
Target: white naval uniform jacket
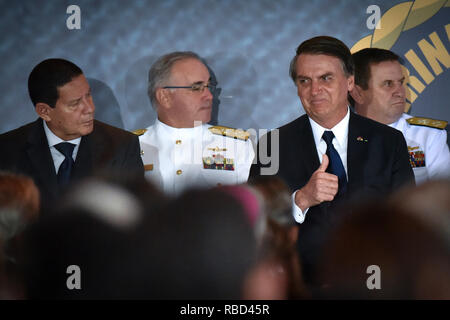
179	158
432	143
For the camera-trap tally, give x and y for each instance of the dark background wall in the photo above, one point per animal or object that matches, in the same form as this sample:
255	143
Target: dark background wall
248	45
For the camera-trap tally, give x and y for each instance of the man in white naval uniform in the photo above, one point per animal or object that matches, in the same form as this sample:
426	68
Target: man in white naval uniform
379	94
180	150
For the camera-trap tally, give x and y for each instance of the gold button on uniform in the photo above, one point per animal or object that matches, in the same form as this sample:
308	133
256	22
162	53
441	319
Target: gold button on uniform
178	142
179	172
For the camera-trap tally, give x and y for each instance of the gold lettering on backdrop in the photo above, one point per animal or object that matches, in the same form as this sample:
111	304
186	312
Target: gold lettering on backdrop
412	82
419	66
434	53
403	17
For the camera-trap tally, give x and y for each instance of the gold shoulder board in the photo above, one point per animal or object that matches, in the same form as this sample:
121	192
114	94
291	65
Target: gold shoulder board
432	123
230	132
139	132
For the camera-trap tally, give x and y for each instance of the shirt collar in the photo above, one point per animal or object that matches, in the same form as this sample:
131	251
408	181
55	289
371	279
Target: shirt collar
54	139
340	130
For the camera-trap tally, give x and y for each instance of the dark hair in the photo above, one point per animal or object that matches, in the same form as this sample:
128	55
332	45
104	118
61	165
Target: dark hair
200	247
409	250
324	45
364	58
47	77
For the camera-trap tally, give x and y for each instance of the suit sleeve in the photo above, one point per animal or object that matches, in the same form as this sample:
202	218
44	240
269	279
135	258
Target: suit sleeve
402	172
133	161
259	163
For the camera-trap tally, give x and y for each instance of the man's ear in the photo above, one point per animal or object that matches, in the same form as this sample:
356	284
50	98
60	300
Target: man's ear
357	94
44	111
163	98
350	83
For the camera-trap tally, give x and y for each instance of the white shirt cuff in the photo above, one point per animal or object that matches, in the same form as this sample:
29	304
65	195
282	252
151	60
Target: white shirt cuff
298	214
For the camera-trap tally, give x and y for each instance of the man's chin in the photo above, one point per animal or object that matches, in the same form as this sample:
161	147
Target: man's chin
205	116
201	121
398	108
87	129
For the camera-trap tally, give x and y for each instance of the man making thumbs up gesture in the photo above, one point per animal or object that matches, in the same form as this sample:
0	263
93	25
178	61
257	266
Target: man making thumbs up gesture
331	155
322	186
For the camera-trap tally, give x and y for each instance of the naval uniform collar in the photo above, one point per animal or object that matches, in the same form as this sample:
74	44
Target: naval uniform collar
172	132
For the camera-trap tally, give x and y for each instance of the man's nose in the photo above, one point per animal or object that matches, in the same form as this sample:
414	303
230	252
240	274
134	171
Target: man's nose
207	94
399	90
89	106
315	87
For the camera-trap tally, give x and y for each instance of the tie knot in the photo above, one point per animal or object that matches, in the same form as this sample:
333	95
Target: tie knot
65	148
328	136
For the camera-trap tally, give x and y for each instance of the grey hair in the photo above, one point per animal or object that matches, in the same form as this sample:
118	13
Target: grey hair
160	71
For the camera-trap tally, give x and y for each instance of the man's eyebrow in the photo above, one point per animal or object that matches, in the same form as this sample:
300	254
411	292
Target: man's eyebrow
74	100
394	79
320	76
326	74
201	82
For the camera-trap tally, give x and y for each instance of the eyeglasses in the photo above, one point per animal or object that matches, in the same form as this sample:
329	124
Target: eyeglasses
195	87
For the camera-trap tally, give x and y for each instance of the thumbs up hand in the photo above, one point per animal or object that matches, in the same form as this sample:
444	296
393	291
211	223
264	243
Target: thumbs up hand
322	186
324	165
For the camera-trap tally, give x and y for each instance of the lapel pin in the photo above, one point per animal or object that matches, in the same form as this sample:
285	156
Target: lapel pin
361	139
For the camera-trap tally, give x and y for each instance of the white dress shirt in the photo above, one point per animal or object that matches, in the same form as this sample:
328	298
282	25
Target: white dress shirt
340	139
53	140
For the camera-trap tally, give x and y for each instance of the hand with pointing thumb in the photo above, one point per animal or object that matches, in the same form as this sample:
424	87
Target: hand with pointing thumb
324	165
322	186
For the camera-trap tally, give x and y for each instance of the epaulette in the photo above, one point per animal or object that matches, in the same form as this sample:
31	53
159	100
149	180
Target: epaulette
426	122
230	132
139	132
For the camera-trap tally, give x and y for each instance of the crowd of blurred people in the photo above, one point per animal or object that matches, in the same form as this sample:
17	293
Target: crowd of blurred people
130	241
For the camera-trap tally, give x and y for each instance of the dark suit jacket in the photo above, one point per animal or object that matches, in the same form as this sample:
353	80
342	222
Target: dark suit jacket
25	150
375	168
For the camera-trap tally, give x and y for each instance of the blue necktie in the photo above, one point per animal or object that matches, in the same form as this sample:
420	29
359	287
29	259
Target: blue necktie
65	168
335	166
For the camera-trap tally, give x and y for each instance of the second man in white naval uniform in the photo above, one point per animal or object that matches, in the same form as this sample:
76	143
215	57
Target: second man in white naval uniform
379	94
180	150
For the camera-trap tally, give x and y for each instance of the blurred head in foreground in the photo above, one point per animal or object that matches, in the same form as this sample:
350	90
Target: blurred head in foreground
397	249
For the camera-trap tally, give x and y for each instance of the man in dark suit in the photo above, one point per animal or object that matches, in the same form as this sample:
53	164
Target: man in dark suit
331	154
65	143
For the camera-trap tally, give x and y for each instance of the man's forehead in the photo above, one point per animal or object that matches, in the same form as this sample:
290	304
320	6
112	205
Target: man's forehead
74	89
387	64
190	68
387	68
317	63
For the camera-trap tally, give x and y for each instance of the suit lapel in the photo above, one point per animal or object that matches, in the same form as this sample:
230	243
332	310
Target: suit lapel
41	159
357	152
84	162
306	141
